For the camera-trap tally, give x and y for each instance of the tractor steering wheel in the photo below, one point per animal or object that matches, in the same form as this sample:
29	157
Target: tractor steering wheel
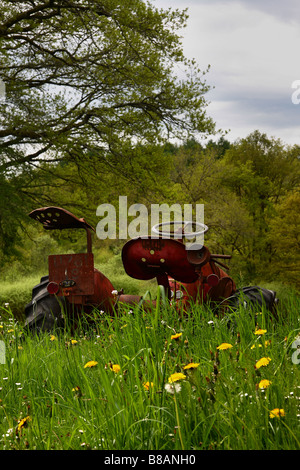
185	223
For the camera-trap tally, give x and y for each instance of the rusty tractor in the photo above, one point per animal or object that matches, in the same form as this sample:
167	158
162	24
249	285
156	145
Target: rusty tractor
74	287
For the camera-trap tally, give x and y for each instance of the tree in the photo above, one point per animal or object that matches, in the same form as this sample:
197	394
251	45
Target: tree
200	176
261	171
91	83
247	188
88	80
285	239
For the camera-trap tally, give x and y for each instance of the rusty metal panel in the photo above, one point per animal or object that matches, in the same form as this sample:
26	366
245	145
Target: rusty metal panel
146	258
76	267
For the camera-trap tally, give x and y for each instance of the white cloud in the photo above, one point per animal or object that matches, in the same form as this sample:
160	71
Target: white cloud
253	49
286	11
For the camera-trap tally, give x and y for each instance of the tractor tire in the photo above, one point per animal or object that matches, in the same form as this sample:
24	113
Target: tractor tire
44	312
253	298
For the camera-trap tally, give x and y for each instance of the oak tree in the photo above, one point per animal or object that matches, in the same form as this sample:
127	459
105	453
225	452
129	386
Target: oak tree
89	80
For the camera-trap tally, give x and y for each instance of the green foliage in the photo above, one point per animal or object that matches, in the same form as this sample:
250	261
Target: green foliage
92	105
261	172
250	208
284	238
94	78
248	189
91	93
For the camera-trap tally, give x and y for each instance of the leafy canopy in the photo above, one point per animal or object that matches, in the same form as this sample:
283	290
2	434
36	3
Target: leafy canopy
92	79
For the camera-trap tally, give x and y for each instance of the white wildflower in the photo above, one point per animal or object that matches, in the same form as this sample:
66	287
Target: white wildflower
173	387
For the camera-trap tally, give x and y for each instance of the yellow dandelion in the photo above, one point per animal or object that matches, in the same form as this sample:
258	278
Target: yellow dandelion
264	383
224	346
277	413
175	377
259	331
115	368
147	385
267	343
52	338
77	392
23	423
177	336
1	326
264	361
90	364
74	341
192	365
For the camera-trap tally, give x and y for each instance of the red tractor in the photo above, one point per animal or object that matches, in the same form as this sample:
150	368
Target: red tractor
74	287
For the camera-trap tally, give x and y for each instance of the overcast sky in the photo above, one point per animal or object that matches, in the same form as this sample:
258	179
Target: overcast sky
253	47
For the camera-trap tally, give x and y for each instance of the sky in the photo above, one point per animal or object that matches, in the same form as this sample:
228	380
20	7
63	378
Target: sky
253	49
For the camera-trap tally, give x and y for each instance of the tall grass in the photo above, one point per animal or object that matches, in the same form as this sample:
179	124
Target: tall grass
124	400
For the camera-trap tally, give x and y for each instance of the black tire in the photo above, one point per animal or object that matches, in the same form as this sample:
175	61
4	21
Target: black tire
253	297
44	311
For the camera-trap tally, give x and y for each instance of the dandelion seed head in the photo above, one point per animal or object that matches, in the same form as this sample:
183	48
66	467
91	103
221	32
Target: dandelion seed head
173	388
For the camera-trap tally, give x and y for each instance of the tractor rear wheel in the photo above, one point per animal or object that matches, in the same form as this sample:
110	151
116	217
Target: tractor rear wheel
254	298
44	311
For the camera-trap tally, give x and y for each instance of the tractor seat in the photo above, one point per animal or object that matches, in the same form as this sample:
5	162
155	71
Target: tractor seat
58	218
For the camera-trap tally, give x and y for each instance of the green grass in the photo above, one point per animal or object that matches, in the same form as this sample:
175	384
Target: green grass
219	405
18	293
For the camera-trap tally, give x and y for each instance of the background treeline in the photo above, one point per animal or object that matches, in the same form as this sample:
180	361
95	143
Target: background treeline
250	189
95	94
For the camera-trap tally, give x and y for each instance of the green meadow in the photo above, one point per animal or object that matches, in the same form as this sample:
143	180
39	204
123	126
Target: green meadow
98	102
153	381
